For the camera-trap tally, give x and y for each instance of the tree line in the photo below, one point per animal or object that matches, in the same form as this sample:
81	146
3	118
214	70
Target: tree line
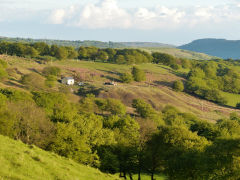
46	52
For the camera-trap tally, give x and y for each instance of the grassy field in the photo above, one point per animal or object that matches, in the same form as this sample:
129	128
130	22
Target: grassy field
22	162
180	53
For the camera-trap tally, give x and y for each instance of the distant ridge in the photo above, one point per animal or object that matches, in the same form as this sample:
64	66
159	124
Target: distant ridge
215	47
145	44
79	43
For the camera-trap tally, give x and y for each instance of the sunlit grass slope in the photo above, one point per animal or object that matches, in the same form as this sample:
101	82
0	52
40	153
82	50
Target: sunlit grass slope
180	53
22	162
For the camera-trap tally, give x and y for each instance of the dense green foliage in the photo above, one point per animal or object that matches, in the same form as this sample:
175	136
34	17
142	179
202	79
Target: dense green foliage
46	52
43	51
138	74
126	78
98	132
208	79
178	86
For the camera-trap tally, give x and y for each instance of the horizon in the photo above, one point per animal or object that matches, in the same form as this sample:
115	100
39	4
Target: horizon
168	22
118	41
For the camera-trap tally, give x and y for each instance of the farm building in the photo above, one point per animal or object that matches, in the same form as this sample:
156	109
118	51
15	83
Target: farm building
68	81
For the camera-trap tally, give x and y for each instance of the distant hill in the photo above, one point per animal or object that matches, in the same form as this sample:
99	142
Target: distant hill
215	47
24	162
78	43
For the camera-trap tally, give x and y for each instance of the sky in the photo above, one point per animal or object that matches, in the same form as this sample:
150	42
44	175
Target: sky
166	21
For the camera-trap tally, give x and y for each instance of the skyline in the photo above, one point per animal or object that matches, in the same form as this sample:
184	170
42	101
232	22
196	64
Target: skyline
169	22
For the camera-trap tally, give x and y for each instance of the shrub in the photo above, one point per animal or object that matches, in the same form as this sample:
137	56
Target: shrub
175	66
50	81
178	86
3	73
33	81
126	78
138	74
3	63
51	70
238	105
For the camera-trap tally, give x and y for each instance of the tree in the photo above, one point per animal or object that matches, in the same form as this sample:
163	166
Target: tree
186	64
61	53
113	106
221	160
146	111
31	51
102	55
42	48
175	66
82	53
174	150
126	78
178	86
51	70
120	59
138	74
111	53
72	53
70	143
163	58
238	105
26	122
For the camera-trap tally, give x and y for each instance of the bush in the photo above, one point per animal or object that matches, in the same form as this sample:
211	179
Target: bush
138	74
126	78
33	81
238	105
51	70
3	63
178	86
50	81
3	73
175	66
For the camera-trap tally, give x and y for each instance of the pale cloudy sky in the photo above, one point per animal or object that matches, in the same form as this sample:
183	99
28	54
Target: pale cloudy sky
166	21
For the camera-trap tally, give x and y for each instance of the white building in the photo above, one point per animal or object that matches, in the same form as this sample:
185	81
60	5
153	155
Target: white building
68	81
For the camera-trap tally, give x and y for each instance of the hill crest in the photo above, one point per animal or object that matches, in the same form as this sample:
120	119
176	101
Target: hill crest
215	47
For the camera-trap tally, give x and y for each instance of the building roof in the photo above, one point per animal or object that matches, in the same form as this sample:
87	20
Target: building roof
68	78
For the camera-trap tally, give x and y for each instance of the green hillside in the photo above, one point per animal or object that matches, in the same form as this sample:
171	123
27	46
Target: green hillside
23	162
180	53
114	112
156	90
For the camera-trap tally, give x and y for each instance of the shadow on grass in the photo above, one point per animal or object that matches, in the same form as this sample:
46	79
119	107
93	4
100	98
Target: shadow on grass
163	83
14	83
109	77
89	89
175	72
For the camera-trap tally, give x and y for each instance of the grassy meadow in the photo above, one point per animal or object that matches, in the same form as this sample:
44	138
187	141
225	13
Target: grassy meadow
23	162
